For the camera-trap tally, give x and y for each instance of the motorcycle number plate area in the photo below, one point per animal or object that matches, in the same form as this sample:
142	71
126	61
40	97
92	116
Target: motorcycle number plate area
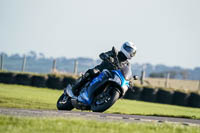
123	80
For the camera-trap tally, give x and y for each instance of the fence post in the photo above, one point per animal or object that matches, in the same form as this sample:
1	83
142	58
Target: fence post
75	67
54	66
167	80
142	76
2	62
24	63
199	85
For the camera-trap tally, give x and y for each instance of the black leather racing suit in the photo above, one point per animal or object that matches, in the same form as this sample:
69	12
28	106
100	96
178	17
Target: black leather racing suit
111	60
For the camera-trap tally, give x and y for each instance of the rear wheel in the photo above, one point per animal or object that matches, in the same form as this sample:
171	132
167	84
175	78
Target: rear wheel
64	103
105	99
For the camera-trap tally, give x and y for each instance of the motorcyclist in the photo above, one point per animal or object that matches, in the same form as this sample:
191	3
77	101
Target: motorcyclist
111	60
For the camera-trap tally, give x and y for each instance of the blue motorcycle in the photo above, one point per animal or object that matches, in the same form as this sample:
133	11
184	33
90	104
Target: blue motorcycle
100	93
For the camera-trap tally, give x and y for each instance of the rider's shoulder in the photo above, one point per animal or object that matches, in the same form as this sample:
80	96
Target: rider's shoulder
113	52
106	54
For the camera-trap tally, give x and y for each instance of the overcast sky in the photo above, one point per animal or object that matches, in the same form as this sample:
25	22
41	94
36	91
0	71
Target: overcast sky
165	31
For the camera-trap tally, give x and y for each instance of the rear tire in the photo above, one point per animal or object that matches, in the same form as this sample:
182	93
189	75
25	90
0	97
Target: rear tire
105	99
64	103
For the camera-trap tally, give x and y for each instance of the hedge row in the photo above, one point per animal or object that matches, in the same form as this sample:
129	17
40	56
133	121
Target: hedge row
39	80
163	96
60	81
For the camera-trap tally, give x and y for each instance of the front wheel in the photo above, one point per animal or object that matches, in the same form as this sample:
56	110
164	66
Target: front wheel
105	99
64	103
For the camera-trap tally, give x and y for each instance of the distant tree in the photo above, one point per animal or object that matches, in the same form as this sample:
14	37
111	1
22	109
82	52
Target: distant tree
173	74
184	74
32	54
41	55
4	54
157	75
15	56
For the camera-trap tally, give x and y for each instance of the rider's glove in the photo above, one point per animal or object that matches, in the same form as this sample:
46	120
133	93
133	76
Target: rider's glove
131	85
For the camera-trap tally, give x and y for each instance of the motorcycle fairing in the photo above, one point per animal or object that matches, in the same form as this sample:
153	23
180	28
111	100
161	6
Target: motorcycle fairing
86	96
124	83
87	92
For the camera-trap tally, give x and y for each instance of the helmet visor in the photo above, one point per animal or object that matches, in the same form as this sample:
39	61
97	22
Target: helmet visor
130	50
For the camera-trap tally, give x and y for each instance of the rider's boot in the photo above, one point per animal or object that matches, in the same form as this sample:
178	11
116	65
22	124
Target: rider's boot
76	88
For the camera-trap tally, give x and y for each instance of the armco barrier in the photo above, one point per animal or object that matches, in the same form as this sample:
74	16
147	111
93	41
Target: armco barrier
148	94
134	94
194	100
7	77
68	80
39	80
54	82
164	96
180	98
23	79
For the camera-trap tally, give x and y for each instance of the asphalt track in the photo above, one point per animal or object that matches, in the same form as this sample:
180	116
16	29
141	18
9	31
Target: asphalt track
98	116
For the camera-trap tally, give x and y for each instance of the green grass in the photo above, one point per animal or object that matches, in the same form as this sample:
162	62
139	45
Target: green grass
154	109
17	96
10	124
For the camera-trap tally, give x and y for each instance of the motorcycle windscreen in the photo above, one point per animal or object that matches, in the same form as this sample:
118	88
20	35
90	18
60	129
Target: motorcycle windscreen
126	71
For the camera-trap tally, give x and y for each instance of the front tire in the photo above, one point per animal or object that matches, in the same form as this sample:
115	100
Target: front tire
105	99
64	103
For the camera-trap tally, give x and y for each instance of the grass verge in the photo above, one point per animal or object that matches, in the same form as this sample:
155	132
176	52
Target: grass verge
17	96
10	124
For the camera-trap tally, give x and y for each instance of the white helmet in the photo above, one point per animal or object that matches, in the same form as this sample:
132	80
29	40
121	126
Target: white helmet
129	49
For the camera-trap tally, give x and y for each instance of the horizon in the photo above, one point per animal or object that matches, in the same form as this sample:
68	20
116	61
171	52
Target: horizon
49	57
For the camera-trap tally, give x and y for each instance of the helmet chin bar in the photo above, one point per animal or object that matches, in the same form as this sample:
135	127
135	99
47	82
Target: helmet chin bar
126	53
121	56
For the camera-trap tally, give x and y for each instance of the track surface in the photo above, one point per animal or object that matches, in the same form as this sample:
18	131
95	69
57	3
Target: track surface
97	116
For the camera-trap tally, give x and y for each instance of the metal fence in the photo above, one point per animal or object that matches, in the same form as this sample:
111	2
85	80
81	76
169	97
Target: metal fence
51	65
25	64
